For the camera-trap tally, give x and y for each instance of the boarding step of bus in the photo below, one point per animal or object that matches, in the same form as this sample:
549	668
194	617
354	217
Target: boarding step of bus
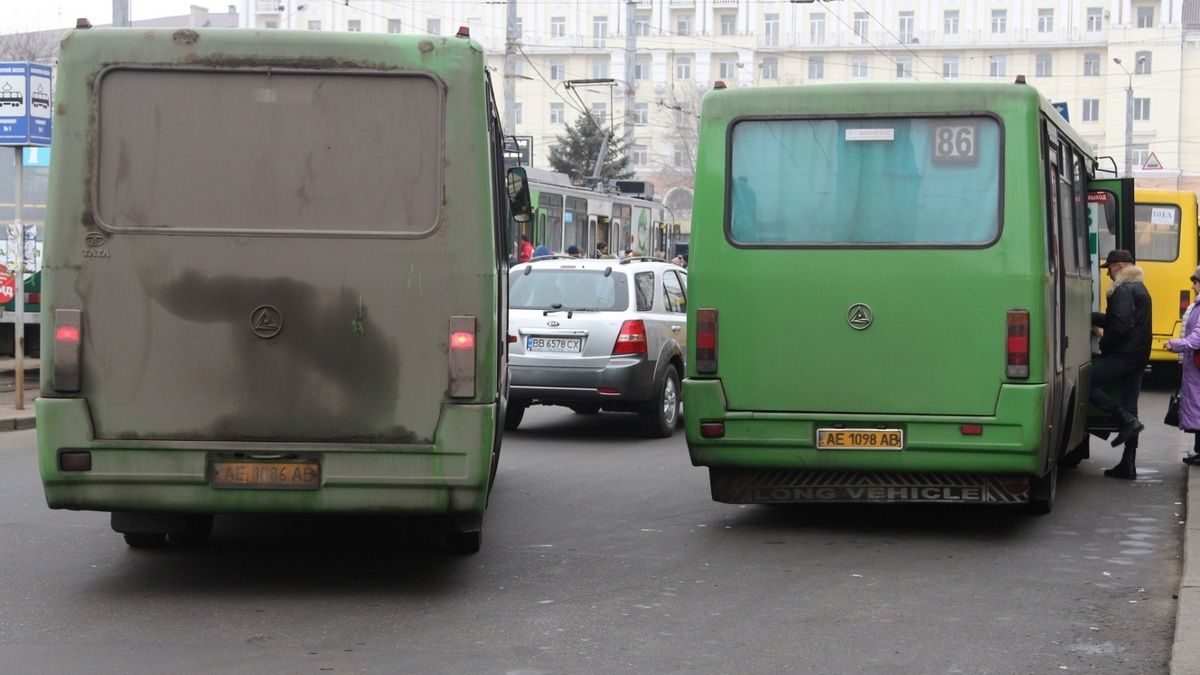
778	486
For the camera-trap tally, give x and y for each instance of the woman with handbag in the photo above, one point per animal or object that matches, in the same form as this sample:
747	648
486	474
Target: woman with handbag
1189	389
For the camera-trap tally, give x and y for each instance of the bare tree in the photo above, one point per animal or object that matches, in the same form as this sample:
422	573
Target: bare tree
36	47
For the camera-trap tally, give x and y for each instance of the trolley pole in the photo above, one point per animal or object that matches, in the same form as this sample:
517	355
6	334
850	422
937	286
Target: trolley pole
121	13
510	70
19	297
630	70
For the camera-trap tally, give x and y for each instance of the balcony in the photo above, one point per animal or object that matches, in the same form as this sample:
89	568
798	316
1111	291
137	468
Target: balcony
683	3
267	6
722	3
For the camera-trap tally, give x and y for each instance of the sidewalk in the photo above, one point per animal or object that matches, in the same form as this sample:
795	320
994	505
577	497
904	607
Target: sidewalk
1185	654
11	418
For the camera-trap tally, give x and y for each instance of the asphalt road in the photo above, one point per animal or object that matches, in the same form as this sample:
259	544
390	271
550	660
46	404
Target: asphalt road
603	552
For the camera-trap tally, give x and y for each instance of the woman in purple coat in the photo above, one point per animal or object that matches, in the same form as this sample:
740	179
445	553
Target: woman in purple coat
1189	390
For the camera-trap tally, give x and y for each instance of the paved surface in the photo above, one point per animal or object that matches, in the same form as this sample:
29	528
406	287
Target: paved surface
10	417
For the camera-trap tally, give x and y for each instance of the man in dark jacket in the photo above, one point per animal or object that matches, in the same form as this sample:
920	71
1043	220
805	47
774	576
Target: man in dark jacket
1124	353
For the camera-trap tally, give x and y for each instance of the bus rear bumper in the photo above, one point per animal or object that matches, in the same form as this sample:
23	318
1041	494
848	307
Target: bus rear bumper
449	476
1008	444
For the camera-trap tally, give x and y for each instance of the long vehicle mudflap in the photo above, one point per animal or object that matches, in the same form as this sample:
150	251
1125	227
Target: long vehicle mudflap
783	486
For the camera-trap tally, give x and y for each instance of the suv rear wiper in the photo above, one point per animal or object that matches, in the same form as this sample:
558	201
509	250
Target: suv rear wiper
569	311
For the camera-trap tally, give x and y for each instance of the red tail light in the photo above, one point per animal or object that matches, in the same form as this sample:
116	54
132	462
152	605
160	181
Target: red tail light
706	341
712	430
632	339
462	356
1185	300
1017	361
68	327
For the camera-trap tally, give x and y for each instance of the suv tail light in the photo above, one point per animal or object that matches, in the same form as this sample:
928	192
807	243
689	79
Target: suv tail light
462	356
632	339
1017	358
706	341
68	329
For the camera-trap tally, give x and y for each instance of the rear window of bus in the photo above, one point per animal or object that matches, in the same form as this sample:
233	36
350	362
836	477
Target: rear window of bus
280	152
868	182
1157	231
576	289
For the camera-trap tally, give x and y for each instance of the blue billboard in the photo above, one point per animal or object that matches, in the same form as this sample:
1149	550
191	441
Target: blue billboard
25	103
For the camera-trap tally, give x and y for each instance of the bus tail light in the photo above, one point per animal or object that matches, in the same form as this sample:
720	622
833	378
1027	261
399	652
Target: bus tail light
632	338
1185	301
462	356
1017	361
68	334
706	340
712	430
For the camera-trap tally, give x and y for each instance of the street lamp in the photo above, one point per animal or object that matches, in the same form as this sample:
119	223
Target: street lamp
1128	115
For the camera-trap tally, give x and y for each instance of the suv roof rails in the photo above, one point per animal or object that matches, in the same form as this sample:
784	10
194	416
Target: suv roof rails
641	258
552	256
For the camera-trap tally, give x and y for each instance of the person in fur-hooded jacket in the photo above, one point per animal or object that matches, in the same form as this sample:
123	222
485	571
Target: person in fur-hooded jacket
1124	353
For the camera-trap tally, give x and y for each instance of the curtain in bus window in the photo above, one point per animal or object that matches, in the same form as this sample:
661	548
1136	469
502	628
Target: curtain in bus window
865	181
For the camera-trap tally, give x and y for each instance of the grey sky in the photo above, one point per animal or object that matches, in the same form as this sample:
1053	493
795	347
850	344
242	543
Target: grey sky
18	16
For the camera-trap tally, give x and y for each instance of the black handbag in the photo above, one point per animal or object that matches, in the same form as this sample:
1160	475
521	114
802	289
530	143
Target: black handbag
1172	417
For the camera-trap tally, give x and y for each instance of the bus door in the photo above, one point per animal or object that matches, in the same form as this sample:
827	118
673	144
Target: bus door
1057	238
1110	224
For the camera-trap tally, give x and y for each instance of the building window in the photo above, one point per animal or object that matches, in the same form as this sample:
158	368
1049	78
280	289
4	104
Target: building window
641	113
906	27
816	28
1145	16
683	67
950	22
727	69
680	156
639	155
997	65
641	25
641	68
558	26
999	21
1141	109
1045	20
816	67
600	67
771	30
770	68
271	24
354	26
314	25
861	26
1141	63
1043	65
1140	152
858	67
600	113
556	113
517	113
950	67
683	23
433	26
558	70
599	31
903	67
1095	19
1091	64
1091	110
728	23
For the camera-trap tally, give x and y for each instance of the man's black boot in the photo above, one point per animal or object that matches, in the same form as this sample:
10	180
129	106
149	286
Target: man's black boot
1130	427
1126	469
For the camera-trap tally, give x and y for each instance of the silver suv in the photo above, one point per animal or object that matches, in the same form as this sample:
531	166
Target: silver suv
598	334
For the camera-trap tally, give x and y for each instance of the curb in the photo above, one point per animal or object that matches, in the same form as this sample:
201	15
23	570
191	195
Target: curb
1185	652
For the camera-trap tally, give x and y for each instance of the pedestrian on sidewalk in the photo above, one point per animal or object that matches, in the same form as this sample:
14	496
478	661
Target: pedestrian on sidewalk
1124	354
1188	347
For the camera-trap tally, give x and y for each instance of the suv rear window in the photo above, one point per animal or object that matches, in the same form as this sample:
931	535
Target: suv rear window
569	289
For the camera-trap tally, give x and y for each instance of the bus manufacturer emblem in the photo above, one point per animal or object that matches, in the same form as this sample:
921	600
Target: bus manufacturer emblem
266	321
94	239
860	316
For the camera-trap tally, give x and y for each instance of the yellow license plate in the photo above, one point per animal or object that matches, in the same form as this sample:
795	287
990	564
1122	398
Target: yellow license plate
860	439
303	475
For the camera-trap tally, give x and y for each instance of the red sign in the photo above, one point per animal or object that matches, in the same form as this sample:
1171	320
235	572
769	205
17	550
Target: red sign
8	287
1097	197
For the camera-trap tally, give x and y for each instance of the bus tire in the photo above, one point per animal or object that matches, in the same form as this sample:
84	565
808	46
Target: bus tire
463	535
1042	490
145	539
196	532
513	415
660	418
1076	455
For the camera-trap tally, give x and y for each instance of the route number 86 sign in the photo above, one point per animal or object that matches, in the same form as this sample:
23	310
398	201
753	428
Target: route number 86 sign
955	144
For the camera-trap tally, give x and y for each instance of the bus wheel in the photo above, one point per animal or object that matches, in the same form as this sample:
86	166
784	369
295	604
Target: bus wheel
659	419
1076	455
196	532
586	409
513	415
1041	492
463	535
145	539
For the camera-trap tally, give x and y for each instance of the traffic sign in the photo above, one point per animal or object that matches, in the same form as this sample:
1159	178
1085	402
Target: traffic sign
1061	107
25	101
1152	163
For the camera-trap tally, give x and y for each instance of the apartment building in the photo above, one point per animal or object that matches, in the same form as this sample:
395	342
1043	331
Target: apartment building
1086	53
